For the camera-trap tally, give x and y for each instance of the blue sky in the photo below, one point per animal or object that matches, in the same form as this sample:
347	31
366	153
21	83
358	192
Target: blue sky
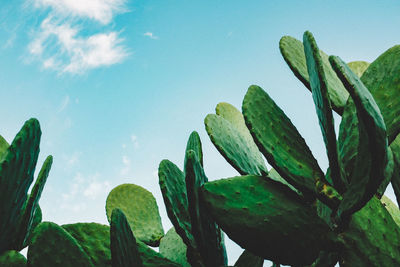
118	85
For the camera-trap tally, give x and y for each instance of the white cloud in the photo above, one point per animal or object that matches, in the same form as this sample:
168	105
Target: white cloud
63	43
150	35
75	54
96	189
99	10
50	63
87	187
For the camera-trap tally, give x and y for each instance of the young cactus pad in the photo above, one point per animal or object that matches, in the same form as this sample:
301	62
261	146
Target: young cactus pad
228	132
292	51
368	178
141	210
358	67
319	88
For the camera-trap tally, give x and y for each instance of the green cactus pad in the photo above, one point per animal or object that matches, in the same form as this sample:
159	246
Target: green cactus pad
248	259
382	80
98	242
228	132
389	171
3	146
194	143
94	239
392	209
372	144
208	236
280	142
141	210
17	167
124	250
292	51
173	248
12	258
268	219
372	238
348	139
25	225
319	86
173	188
358	67
53	246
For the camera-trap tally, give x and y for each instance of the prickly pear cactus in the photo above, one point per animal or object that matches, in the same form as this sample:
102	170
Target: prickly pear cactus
141	211
20	214
269	213
293	213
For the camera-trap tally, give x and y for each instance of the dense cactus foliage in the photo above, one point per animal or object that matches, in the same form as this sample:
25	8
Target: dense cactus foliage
294	213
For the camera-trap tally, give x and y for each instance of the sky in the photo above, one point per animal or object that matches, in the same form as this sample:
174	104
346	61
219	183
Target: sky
118	85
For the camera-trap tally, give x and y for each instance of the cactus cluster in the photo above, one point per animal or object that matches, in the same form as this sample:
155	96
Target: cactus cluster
292	214
295	214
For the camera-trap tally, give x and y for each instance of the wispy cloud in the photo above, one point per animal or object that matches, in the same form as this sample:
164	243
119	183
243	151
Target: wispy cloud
150	35
61	44
96	189
88	187
99	10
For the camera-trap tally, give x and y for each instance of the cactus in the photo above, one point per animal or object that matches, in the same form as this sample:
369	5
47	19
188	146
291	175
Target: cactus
268	219
52	246
293	52
173	248
358	67
20	214
12	258
94	239
124	250
203	238
228	132
293	213
141	210
265	217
